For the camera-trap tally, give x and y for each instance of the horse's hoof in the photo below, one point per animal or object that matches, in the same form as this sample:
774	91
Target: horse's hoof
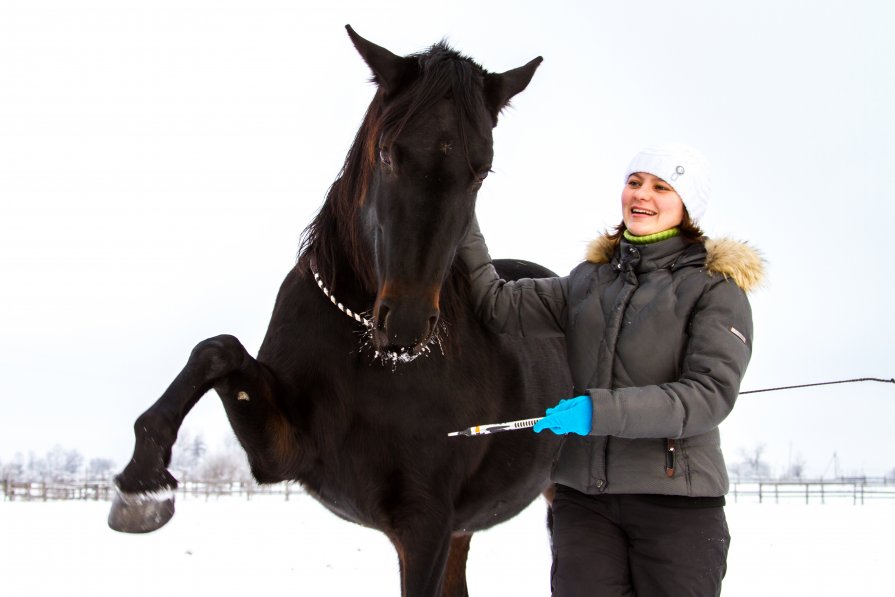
141	512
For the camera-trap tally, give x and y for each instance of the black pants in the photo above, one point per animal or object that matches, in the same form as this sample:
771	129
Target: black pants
636	545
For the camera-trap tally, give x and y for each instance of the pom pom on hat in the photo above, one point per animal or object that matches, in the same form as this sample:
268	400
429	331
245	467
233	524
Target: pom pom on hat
683	168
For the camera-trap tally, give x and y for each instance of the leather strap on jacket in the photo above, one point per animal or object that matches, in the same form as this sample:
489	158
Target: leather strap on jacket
669	457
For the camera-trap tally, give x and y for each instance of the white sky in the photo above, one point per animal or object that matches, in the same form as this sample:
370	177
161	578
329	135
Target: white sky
158	162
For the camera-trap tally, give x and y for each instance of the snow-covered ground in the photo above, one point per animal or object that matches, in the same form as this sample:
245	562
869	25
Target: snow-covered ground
268	546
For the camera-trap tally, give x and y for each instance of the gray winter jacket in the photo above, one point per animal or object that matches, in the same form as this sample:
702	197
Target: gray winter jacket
658	335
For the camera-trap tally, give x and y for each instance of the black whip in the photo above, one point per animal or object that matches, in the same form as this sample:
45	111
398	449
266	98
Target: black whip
823	383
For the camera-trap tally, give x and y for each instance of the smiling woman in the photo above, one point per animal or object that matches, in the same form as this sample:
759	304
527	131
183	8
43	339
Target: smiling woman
657	346
653	204
650	205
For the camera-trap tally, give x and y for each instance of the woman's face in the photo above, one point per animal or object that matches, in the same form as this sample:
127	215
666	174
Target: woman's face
650	205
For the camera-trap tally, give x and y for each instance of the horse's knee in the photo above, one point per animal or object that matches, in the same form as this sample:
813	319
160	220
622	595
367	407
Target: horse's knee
156	426
219	356
155	434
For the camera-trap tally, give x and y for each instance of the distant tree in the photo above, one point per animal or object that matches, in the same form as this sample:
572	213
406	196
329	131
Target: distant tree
72	463
14	470
796	469
99	469
59	464
197	448
54	463
752	466
228	464
187	454
223	467
37	468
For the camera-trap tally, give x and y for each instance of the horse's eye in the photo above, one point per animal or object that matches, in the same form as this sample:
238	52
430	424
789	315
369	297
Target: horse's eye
384	156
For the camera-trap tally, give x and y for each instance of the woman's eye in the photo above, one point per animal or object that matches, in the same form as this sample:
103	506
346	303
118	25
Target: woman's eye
384	156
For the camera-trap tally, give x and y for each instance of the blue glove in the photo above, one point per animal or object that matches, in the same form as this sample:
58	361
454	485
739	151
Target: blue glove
569	416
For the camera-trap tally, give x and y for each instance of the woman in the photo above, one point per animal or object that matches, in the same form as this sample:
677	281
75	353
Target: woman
659	332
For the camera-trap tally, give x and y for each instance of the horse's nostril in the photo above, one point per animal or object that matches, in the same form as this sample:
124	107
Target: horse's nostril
382	318
433	321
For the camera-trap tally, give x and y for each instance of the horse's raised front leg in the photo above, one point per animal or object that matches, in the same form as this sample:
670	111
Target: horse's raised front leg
145	499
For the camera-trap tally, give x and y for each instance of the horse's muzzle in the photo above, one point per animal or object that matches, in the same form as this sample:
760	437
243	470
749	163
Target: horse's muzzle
404	325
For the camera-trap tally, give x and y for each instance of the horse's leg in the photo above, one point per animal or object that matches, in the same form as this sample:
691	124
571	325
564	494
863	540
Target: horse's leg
423	544
145	499
455	571
549	494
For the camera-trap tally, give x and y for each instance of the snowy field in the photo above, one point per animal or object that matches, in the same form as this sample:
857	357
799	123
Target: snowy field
269	546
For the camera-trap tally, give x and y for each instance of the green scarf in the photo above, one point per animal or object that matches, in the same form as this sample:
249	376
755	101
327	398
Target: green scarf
651	238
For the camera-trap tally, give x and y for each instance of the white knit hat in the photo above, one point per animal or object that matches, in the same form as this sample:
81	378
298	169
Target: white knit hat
683	168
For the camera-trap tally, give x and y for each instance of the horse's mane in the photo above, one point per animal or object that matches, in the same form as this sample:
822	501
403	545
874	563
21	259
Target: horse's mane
336	233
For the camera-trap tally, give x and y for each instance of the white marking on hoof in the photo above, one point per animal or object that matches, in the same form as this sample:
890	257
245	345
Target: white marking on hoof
138	499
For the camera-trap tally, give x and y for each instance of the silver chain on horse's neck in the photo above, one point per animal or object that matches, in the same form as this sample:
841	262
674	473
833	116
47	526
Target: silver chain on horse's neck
355	316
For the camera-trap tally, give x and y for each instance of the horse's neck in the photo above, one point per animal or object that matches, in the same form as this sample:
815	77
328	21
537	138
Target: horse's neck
339	273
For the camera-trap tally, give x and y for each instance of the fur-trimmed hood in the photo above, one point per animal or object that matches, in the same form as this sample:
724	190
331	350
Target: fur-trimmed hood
732	259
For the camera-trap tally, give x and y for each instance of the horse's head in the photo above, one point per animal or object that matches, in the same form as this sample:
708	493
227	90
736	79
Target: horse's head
427	146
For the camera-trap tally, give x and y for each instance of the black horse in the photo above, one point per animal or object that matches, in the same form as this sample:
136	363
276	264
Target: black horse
357	407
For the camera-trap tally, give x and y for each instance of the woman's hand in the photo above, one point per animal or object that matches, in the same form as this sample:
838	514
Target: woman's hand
569	416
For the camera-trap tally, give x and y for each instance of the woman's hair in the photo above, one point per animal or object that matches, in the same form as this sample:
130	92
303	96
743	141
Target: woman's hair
689	229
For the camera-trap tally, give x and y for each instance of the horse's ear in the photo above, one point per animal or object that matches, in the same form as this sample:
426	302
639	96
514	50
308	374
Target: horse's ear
500	88
388	69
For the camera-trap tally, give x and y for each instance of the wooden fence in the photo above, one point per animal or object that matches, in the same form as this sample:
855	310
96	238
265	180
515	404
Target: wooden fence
817	492
52	490
47	491
855	491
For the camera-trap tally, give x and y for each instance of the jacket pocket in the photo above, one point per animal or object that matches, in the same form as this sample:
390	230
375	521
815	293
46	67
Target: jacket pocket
574	462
